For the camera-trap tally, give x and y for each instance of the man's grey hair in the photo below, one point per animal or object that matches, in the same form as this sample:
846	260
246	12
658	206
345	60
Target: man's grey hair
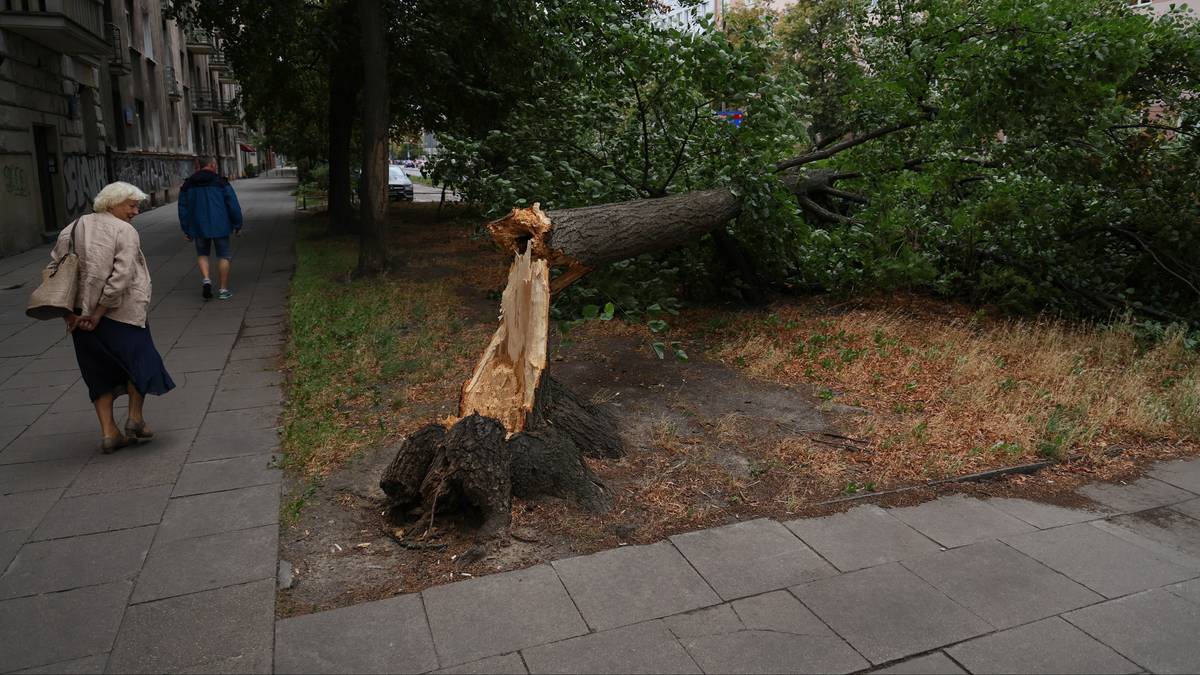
116	193
206	160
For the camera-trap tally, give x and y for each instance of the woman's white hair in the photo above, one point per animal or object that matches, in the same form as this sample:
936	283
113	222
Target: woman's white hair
116	193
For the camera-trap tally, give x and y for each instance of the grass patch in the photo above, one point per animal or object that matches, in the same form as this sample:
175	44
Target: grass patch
949	393
369	358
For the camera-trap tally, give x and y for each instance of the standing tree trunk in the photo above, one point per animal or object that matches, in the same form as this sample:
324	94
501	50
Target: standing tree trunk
345	82
373	246
342	95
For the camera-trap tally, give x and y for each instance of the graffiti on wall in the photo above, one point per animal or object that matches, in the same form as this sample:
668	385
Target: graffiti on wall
152	173
84	176
16	183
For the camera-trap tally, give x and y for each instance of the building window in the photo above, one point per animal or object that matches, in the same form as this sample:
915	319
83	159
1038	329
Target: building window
147	37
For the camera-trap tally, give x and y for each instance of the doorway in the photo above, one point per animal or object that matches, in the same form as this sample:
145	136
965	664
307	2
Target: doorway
47	167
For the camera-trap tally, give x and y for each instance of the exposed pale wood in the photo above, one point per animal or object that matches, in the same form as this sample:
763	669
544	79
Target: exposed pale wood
505	381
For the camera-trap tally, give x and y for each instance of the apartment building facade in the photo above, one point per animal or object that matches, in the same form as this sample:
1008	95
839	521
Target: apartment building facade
93	91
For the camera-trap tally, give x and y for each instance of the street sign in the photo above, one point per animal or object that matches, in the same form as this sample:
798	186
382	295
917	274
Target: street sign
734	117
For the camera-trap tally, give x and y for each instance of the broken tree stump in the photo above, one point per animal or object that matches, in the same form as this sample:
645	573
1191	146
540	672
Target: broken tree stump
519	431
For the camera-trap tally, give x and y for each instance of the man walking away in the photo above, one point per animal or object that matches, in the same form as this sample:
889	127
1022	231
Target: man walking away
209	213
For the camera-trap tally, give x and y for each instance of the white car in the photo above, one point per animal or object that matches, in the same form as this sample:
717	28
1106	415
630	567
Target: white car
399	184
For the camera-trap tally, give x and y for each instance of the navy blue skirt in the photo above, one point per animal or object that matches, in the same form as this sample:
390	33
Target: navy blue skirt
116	353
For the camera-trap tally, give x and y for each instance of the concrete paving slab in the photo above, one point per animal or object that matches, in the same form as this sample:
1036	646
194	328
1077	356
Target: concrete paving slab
57	627
219	342
85	666
265	319
958	520
187	632
751	557
507	664
204	563
862	537
1142	494
500	613
11	542
250	380
755	651
234	444
1188	590
936	663
1155	629
238	399
386	636
1045	516
229	511
266	417
632	584
271	329
1003	586
33	476
781	612
46	394
20	415
1188	508
271	365
43	448
887	612
190	359
242	352
1182	473
7	434
199	378
88	560
644	648
25	510
104	512
1167	527
1101	561
22	381
155	463
59	359
227	474
714	620
1049	646
77	421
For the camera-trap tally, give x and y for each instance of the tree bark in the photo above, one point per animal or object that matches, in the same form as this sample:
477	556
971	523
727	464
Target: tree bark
373	255
345	83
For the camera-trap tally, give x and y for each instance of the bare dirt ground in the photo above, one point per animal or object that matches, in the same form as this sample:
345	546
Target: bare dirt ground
710	442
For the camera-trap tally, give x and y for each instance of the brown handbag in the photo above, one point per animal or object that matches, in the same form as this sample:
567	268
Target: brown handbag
55	297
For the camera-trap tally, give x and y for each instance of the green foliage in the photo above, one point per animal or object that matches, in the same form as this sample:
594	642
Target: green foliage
1039	155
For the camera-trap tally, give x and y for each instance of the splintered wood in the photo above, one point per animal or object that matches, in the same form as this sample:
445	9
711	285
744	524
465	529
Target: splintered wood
506	379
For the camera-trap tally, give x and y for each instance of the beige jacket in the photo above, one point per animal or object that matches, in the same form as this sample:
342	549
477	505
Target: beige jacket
112	269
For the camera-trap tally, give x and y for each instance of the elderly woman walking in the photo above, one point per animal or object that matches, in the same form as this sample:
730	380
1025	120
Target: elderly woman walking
112	339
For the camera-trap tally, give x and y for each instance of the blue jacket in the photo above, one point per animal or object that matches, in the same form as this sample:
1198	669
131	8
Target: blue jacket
208	207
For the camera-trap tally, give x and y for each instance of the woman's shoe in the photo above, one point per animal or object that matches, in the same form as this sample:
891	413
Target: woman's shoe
138	431
110	444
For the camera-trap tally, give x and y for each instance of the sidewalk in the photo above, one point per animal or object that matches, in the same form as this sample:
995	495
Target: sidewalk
949	586
162	558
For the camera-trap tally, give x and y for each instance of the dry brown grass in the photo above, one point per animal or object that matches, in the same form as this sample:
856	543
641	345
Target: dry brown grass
949	394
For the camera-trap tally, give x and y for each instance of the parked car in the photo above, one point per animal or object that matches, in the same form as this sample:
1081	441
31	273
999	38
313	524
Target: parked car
399	184
409	164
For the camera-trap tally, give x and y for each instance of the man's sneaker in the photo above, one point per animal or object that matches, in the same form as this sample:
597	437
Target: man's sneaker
206	290
224	294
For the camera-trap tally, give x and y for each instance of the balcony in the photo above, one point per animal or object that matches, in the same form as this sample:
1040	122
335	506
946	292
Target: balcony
217	62
173	88
66	26
200	41
205	104
118	54
231	114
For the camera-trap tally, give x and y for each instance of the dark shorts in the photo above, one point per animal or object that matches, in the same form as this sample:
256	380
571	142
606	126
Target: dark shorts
204	247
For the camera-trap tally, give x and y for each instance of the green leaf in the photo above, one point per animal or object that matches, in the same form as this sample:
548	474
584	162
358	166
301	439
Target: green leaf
660	350
609	310
656	325
590	311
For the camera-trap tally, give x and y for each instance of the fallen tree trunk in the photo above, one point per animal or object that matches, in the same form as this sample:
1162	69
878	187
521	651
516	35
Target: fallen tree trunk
518	431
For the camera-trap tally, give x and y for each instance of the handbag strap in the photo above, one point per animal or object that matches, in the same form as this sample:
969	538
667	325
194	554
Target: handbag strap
74	227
